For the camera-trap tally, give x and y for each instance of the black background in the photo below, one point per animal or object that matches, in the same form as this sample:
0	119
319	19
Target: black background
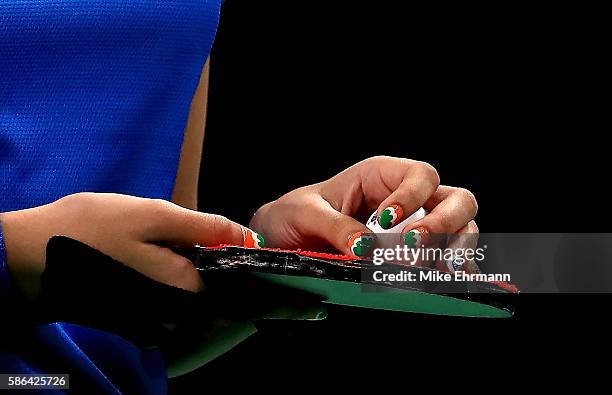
506	100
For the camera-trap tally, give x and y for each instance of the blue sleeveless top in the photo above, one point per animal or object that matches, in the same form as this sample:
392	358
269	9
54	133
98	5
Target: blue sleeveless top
95	96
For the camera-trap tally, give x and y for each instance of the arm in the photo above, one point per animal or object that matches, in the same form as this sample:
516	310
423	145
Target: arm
4	276
186	188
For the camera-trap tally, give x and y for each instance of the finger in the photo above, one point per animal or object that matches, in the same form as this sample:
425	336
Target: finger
343	232
450	210
418	185
184	227
164	266
466	237
463	244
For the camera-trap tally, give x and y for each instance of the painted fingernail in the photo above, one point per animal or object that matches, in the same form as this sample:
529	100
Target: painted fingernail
253	239
390	216
415	238
361	243
454	264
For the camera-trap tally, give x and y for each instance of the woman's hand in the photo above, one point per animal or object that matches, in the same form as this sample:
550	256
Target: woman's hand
332	213
128	229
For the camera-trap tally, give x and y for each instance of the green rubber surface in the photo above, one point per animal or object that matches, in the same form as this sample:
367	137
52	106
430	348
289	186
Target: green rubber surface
228	334
223	337
385	298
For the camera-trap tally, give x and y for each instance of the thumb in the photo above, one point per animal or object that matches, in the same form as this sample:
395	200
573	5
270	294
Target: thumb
184	227
345	233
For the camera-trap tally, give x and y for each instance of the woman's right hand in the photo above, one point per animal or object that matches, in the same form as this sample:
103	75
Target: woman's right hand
126	228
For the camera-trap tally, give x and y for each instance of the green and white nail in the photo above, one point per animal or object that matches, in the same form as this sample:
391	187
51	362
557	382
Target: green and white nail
390	216
412	238
361	243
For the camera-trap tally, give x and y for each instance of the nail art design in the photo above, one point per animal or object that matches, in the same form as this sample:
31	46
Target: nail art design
253	239
455	264
373	220
390	216
361	243
414	238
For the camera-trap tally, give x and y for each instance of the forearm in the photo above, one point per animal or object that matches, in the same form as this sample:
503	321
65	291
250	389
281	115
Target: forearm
186	187
4	275
23	250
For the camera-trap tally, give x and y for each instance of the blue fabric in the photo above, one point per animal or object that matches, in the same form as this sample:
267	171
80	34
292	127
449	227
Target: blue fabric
94	96
93	356
140	371
13	363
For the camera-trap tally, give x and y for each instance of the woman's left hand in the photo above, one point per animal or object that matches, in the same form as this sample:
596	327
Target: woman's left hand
332	213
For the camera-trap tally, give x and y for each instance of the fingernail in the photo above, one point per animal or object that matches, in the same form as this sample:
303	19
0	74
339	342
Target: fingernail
361	243
415	238
454	264
253	239
390	216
